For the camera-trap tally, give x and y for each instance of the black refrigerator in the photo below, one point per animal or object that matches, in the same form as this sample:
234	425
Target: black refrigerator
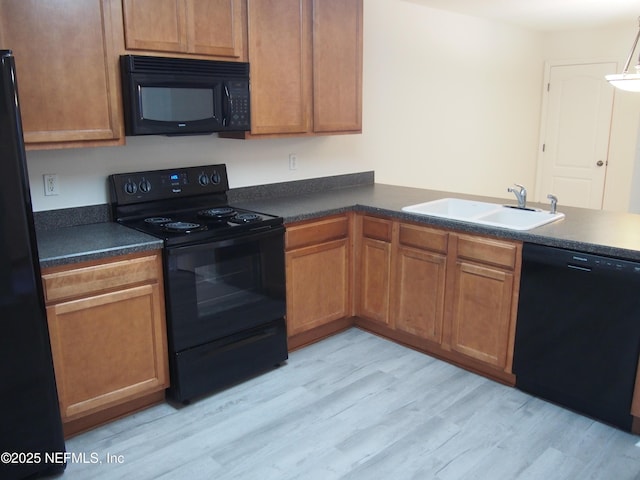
31	438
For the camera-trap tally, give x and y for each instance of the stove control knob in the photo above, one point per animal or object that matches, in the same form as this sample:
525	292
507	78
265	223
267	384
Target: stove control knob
130	188
215	177
145	186
203	179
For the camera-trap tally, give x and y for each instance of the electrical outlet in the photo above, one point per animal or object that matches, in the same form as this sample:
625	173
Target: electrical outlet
293	161
51	184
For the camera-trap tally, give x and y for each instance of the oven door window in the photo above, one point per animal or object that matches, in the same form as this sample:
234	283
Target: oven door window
218	289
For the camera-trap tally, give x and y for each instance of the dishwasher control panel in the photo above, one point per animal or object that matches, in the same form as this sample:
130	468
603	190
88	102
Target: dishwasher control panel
583	261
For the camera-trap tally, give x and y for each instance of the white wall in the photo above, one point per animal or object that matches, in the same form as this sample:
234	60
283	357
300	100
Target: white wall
82	172
450	102
462	96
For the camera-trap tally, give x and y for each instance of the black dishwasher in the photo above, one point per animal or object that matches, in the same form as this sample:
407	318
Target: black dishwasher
578	331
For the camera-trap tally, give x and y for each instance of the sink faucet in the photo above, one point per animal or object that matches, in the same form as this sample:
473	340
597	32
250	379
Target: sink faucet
554	203
520	193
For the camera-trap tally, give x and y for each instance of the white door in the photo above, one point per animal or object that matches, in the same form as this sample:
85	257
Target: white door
577	109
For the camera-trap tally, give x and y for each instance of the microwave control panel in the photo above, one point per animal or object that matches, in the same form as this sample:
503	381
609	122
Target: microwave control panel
239	114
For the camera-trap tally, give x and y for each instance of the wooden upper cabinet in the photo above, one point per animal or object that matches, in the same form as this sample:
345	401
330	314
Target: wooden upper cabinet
214	27
155	25
67	80
306	67
203	27
337	65
279	55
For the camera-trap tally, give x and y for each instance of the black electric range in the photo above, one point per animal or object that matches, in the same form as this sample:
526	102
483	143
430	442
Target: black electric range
224	275
183	205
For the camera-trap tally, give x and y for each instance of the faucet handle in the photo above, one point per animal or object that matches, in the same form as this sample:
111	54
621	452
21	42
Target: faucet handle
554	203
520	193
521	189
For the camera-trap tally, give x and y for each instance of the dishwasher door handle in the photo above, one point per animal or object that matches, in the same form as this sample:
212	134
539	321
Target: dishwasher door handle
579	267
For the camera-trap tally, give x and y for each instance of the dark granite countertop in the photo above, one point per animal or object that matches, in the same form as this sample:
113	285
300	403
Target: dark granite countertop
80	243
594	231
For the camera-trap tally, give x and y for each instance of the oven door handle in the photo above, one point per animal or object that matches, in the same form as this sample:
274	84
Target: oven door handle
251	236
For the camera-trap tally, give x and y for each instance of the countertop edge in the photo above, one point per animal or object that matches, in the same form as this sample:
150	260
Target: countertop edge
530	236
591	231
74	244
613	234
98	255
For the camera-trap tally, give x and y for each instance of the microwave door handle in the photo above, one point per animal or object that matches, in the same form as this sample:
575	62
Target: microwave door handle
226	105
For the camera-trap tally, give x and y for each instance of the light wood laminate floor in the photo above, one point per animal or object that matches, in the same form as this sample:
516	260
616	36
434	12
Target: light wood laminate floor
356	406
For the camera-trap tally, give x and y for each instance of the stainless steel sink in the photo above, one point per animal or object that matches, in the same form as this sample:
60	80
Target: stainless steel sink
485	213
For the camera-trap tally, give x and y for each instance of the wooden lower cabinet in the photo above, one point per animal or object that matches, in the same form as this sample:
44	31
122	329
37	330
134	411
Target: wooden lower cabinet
635	404
482	288
108	337
318	272
451	295
418	298
419	286
374	268
375	280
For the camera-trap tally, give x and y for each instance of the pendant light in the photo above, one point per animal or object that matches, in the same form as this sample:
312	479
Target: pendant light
628	81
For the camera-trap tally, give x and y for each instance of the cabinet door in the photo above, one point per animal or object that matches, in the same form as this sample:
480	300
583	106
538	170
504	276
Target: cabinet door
66	70
108	349
279	54
317	285
337	65
214	27
481	313
155	25
419	293
375	279
205	27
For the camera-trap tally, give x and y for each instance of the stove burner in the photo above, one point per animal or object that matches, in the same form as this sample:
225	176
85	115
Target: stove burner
245	218
193	215
217	213
157	220
184	227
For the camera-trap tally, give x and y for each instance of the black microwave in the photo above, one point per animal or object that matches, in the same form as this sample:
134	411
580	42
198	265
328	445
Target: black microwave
180	96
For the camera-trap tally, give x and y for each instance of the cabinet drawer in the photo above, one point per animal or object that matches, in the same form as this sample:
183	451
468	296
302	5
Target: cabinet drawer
486	250
316	232
74	282
423	238
376	228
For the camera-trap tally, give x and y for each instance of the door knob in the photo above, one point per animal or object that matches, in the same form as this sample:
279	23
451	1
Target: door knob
599	163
